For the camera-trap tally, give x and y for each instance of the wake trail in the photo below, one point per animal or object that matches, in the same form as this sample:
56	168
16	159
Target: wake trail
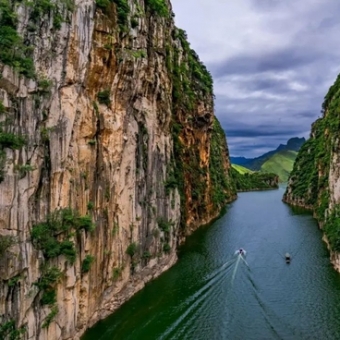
235	269
198	301
265	312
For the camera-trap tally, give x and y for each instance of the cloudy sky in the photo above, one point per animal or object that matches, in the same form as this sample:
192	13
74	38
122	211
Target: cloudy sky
272	62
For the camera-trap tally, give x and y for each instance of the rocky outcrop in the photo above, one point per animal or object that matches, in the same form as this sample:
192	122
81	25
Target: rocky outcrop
109	155
314	181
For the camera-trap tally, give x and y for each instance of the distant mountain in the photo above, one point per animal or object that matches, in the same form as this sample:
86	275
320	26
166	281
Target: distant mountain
240	160
293	144
255	164
281	163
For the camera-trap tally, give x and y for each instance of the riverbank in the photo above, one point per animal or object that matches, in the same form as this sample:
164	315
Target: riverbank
334	257
257	189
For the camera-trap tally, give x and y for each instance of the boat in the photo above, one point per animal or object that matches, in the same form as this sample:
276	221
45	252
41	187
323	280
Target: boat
287	257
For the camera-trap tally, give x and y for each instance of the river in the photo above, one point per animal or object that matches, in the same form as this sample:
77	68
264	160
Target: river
204	297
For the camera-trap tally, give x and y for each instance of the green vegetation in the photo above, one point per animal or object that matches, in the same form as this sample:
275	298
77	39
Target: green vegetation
49	318
47	283
254	181
43	8
308	182
241	169
123	11
104	97
185	83
44	86
2	108
281	163
139	53
122	8
158	6
134	22
116	273
49	297
146	255
164	224
9	331
96	108
90	206
332	228
2	164
172	179
131	249
24	169
13	51
192	84
166	248
255	164
45	134
13	281
11	140
107	194
115	229
190	76
40	9
7	139
103	4
45	235
220	183
142	151
86	265
6	242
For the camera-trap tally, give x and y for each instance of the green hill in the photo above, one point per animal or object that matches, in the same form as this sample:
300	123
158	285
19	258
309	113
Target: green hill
255	164
281	163
250	181
241	169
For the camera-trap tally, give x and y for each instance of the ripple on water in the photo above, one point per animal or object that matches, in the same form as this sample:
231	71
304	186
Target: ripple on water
196	299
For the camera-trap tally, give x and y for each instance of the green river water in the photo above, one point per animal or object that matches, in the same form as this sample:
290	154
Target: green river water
198	298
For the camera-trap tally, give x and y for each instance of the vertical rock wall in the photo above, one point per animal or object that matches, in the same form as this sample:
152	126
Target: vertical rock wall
314	182
104	166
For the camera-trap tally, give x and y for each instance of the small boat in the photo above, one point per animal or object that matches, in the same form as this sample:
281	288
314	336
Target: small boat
287	257
241	251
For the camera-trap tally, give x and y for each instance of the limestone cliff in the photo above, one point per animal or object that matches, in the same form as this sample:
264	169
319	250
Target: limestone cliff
109	155
315	180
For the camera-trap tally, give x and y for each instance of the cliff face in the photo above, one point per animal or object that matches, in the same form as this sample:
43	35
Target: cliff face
315	180
109	155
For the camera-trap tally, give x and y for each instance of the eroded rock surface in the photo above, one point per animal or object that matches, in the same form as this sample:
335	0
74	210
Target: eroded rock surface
109	155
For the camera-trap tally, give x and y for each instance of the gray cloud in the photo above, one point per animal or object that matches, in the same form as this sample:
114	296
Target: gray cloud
272	62
259	131
289	58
